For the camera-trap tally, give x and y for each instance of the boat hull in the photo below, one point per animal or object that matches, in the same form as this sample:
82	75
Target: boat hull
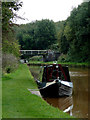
56	90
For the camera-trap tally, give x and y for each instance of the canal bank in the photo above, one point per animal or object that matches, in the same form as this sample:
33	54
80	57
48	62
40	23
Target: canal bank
19	102
70	64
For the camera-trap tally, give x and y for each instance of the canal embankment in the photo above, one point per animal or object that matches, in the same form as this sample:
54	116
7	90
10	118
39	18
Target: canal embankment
70	64
19	102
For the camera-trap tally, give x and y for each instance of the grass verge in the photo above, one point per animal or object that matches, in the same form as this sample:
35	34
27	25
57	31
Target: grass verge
71	64
18	102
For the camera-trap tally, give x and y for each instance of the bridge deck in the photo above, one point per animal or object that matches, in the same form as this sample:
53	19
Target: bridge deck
30	52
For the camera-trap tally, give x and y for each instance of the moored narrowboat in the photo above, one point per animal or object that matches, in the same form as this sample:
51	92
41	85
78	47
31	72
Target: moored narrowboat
55	81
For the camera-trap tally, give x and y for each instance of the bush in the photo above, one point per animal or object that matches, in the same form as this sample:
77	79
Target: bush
62	58
9	63
36	58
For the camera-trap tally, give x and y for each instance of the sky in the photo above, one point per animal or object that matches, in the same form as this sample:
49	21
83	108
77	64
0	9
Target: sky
56	10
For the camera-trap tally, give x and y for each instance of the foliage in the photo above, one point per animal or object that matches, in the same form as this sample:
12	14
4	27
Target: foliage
9	43
74	37
46	34
36	58
61	38
9	63
10	46
36	35
80	33
8	13
62	58
54	47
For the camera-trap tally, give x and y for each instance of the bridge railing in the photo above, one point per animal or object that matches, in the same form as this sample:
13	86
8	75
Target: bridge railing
31	52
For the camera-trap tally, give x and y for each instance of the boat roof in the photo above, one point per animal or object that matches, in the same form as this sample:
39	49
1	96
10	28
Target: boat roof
53	70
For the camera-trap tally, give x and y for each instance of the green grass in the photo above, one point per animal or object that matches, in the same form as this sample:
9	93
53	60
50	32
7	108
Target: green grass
18	102
63	63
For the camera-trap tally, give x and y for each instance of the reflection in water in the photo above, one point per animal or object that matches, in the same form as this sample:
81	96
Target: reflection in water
77	104
80	95
36	72
64	103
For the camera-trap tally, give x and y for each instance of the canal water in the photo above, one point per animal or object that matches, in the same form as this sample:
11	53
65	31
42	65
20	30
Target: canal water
77	104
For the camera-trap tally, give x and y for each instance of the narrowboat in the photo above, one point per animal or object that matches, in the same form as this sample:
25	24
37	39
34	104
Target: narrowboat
55	81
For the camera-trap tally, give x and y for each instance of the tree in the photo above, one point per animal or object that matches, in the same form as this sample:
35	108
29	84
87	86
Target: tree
10	46
73	37
9	43
26	34
45	34
77	33
37	35
62	40
8	13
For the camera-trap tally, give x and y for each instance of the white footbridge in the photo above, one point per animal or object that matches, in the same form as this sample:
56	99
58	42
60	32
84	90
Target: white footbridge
35	52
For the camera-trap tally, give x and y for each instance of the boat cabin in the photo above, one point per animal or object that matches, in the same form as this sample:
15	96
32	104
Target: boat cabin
55	71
